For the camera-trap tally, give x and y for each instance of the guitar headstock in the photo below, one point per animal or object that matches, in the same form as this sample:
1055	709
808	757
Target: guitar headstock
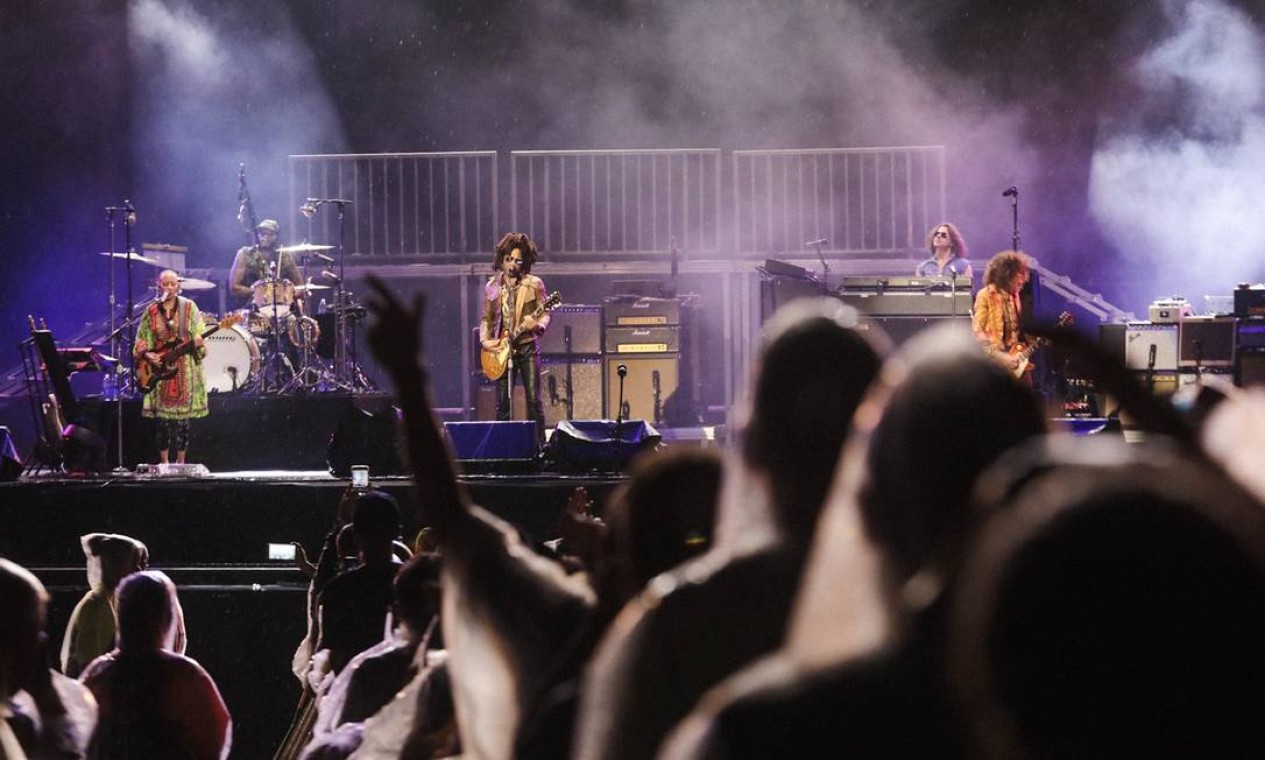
230	320
1065	320
554	299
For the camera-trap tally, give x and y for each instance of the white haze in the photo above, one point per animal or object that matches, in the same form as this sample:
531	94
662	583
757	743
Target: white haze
1183	203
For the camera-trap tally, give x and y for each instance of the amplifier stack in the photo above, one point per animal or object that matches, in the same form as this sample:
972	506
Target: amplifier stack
643	335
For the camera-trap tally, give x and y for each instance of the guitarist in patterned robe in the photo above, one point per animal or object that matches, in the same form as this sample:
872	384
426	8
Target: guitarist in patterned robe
998	308
182	397
511	294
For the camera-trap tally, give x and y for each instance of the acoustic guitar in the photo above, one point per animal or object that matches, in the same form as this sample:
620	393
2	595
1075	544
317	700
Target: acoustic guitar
1024	353
495	361
149	374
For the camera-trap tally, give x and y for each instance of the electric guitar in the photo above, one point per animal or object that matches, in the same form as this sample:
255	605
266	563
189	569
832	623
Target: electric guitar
149	374
496	361
1024	353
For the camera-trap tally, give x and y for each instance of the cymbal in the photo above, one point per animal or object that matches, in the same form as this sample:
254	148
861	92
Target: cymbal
133	256
193	283
304	248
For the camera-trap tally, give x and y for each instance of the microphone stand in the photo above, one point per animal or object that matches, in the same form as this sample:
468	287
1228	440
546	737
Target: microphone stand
117	369
825	268
622	371
1014	221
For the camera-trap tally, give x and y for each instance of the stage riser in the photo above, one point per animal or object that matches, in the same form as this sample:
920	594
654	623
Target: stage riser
242	432
219	522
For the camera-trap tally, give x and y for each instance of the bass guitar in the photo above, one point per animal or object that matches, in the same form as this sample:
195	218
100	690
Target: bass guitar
149	374
1024	353
495	361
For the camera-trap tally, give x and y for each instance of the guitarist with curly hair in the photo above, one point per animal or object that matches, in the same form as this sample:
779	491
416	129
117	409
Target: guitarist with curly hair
515	315
169	353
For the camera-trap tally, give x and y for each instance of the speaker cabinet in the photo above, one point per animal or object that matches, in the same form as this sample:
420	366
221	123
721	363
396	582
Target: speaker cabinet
578	382
644	371
1249	368
585	391
581	323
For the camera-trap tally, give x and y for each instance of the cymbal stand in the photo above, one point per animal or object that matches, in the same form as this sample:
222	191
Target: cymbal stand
347	376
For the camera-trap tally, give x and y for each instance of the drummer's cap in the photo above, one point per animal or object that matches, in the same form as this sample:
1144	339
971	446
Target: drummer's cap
270	225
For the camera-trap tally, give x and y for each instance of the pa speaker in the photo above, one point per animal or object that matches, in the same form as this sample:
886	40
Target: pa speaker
493	446
650	381
600	445
364	437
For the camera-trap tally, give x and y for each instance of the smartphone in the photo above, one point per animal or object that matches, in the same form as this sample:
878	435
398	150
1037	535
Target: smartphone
281	551
360	476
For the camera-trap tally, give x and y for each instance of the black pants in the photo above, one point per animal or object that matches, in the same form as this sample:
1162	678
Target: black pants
172	434
526	366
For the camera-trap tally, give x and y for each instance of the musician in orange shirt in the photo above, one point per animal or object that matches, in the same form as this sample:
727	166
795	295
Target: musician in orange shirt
998	310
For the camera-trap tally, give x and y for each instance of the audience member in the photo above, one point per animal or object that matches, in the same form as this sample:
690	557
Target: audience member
355	604
90	632
376	675
154	703
663	516
43	714
508	611
665	650
940	414
1116	610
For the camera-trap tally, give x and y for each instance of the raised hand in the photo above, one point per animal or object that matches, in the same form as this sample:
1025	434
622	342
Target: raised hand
395	336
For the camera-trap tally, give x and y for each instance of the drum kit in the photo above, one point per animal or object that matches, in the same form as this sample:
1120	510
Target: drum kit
276	347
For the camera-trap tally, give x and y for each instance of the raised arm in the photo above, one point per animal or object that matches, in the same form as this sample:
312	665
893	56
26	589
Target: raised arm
395	338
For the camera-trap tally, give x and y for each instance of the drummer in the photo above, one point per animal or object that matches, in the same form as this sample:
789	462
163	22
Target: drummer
255	263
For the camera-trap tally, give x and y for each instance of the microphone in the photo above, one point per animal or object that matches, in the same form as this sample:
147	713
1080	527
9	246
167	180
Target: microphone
622	370
1010	192
308	209
330	275
814	243
323	257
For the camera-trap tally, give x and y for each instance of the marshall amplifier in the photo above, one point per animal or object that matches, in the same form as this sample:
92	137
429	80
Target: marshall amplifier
643	340
642	312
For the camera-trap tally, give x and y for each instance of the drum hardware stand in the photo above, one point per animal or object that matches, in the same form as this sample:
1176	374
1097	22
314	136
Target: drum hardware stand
347	375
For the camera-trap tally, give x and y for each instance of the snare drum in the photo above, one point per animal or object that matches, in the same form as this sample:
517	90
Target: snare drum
268	293
232	359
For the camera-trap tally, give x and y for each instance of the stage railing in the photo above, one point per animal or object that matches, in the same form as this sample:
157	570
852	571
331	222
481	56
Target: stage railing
618	201
428	206
865	201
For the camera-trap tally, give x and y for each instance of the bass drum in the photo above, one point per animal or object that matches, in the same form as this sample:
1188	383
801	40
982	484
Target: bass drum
232	359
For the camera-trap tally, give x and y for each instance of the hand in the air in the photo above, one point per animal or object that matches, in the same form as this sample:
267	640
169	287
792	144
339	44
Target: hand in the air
395	335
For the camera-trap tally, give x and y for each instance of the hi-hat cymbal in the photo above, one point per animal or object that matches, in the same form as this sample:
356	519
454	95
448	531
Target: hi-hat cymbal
193	283
304	248
133	256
